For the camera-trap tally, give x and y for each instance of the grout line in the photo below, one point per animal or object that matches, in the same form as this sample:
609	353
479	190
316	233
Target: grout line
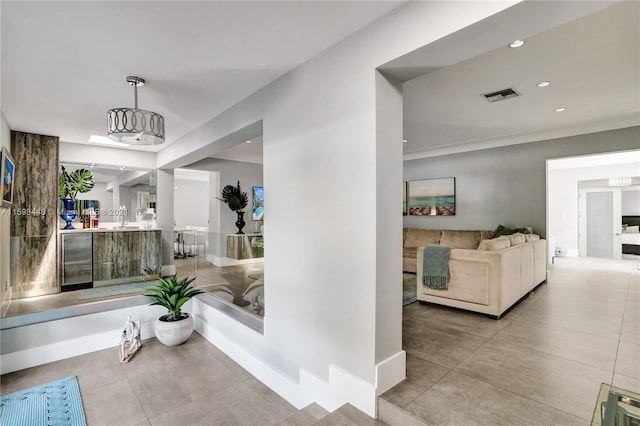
524	396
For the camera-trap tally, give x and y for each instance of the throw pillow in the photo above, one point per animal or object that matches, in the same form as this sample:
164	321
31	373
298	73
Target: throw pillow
421	237
460	239
517	239
494	245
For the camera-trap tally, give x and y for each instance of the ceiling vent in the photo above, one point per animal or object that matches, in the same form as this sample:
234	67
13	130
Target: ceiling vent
501	95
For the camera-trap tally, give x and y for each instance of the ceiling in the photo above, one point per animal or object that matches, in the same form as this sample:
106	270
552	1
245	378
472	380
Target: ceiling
592	65
64	64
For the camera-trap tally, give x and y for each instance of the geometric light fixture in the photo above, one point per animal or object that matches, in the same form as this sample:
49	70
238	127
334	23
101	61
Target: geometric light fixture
135	126
620	181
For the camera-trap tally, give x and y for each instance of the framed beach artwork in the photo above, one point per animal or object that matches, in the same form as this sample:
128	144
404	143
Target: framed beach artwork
7	172
257	195
432	197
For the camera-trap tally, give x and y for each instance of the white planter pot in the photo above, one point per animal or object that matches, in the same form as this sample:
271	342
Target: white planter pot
173	333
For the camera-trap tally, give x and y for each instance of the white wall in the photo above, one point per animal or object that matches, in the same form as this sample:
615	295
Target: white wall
631	201
229	173
191	203
35	344
322	162
5	229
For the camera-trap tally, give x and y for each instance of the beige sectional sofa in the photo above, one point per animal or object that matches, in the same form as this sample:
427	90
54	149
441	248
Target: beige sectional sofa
487	275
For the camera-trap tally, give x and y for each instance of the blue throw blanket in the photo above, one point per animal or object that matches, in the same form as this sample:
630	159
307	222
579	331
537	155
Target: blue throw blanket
435	266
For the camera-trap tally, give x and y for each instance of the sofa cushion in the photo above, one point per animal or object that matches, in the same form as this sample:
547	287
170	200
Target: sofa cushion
409	251
494	244
531	237
421	237
517	239
486	235
460	239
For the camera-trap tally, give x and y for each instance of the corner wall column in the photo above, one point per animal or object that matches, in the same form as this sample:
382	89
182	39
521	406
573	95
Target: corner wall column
164	218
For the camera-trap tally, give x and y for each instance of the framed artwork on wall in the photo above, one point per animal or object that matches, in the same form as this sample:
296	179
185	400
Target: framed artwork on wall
257	195
432	197
7	172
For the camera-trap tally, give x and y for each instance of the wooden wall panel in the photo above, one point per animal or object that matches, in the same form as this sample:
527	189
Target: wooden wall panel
34	214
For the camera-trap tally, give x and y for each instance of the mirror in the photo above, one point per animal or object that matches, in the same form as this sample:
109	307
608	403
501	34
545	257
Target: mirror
115	186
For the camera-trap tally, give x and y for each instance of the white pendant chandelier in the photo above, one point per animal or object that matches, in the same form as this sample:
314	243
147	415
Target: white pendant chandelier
135	126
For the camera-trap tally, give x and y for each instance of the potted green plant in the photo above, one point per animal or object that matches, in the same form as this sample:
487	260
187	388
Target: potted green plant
175	327
69	185
237	200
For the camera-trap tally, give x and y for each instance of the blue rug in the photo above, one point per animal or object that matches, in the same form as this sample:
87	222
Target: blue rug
113	290
55	403
408	288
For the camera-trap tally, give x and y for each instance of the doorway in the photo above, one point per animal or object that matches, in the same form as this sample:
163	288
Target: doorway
584	210
599	213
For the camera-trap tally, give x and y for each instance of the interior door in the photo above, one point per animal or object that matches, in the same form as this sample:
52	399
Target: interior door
599	223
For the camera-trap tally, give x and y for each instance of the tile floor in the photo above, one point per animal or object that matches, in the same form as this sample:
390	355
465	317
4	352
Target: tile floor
541	364
191	384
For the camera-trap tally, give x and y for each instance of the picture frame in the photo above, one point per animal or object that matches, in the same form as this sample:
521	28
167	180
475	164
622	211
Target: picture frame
432	197
257	196
7	176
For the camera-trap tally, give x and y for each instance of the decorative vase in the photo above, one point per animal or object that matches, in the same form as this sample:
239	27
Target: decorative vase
173	333
240	223
68	213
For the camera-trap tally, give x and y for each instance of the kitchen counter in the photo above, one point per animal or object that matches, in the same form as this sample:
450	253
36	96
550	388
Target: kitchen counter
104	256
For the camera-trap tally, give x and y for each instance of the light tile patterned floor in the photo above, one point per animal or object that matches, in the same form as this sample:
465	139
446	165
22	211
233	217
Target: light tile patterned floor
191	384
541	364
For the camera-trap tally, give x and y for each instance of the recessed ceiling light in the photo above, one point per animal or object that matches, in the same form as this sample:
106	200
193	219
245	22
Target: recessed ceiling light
123	167
560	109
544	83
404	141
175	187
516	43
248	141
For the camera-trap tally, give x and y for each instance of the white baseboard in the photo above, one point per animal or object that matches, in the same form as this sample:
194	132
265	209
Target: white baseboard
341	388
391	371
573	253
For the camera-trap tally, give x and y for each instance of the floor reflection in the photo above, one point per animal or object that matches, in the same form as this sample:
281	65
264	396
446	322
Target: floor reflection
241	285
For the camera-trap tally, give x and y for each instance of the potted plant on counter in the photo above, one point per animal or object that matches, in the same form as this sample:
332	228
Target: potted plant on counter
175	327
237	200
69	184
